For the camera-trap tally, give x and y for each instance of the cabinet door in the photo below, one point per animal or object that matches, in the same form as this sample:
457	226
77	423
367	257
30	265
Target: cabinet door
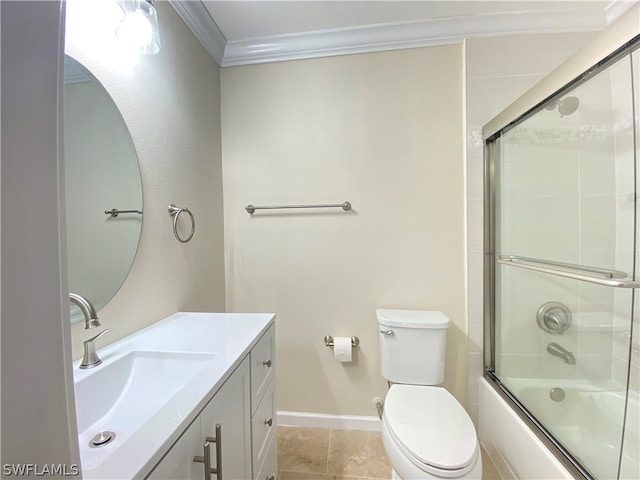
230	408
178	462
270	465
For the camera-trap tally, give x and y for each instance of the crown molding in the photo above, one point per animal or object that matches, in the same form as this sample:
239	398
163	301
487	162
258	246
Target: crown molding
617	8
375	38
198	19
393	36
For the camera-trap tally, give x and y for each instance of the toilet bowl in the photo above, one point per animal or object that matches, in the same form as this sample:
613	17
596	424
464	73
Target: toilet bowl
425	431
427	434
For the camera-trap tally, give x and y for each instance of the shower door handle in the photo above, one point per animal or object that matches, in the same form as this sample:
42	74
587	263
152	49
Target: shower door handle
542	267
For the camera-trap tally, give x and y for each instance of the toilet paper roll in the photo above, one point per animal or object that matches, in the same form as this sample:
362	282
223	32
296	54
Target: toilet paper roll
342	349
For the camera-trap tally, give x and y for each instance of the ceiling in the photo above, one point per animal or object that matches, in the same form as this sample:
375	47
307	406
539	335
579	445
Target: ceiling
245	32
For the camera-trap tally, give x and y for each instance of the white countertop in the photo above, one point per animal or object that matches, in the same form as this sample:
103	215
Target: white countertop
230	336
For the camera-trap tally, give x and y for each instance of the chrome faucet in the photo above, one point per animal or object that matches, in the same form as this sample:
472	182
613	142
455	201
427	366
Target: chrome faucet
89	312
90	358
558	351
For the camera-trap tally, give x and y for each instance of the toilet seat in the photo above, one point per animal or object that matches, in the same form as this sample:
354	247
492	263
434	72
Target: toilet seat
430	427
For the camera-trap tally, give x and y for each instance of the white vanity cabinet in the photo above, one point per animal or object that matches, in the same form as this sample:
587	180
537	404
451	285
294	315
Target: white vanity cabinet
178	462
263	407
244	408
230	409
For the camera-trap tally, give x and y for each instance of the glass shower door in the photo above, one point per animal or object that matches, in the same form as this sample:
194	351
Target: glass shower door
564	244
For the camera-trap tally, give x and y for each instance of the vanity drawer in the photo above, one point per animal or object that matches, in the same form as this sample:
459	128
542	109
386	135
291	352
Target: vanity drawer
263	365
269	468
263	427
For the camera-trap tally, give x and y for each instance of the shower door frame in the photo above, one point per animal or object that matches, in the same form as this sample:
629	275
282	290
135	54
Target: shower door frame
611	44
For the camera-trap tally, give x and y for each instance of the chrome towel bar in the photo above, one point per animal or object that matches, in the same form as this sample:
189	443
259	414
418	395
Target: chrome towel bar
114	212
252	208
604	277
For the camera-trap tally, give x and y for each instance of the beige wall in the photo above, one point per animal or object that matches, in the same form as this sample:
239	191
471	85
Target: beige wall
385	132
171	104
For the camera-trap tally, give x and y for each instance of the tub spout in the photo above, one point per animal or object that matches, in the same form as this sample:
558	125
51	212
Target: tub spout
558	351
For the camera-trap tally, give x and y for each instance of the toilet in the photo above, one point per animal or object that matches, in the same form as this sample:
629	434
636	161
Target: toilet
425	431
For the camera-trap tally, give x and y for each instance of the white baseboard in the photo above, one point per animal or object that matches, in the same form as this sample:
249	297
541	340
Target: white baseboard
321	420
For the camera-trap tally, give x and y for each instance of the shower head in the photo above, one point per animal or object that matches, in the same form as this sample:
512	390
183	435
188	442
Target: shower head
566	106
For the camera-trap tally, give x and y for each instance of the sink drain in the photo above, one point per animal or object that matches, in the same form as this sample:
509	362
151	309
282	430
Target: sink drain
101	439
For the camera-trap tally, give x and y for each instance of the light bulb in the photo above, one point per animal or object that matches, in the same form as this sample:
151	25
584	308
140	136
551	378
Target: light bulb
140	27
135	30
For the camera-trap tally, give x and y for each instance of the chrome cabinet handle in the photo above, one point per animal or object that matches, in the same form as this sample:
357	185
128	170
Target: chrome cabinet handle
218	440
387	333
269	422
206	459
267	363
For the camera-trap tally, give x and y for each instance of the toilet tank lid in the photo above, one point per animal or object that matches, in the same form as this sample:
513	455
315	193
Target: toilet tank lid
412	318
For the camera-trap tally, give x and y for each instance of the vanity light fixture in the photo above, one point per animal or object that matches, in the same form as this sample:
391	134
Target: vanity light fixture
139	29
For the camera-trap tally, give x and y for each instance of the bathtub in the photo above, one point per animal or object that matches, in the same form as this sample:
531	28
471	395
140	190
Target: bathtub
583	420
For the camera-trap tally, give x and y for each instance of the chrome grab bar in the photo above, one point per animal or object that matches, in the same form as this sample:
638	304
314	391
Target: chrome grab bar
252	208
606	277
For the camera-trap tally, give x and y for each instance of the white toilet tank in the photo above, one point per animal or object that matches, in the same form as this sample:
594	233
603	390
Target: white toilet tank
412	345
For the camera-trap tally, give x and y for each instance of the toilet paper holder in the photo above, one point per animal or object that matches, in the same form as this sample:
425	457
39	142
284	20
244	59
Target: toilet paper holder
328	341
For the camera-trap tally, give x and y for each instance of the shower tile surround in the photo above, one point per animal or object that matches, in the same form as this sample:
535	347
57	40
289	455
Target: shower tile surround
602	352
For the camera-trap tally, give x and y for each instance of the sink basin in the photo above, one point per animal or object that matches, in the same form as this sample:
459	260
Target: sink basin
122	395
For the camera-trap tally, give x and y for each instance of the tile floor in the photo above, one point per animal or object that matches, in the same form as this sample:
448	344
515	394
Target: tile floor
322	454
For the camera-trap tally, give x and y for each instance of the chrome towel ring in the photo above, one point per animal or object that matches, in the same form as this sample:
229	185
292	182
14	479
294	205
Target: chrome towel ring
175	213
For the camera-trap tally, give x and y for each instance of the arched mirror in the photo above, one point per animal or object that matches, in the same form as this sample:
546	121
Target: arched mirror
101	175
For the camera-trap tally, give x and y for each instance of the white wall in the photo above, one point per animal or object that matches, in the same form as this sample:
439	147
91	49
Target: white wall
383	131
171	104
37	396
